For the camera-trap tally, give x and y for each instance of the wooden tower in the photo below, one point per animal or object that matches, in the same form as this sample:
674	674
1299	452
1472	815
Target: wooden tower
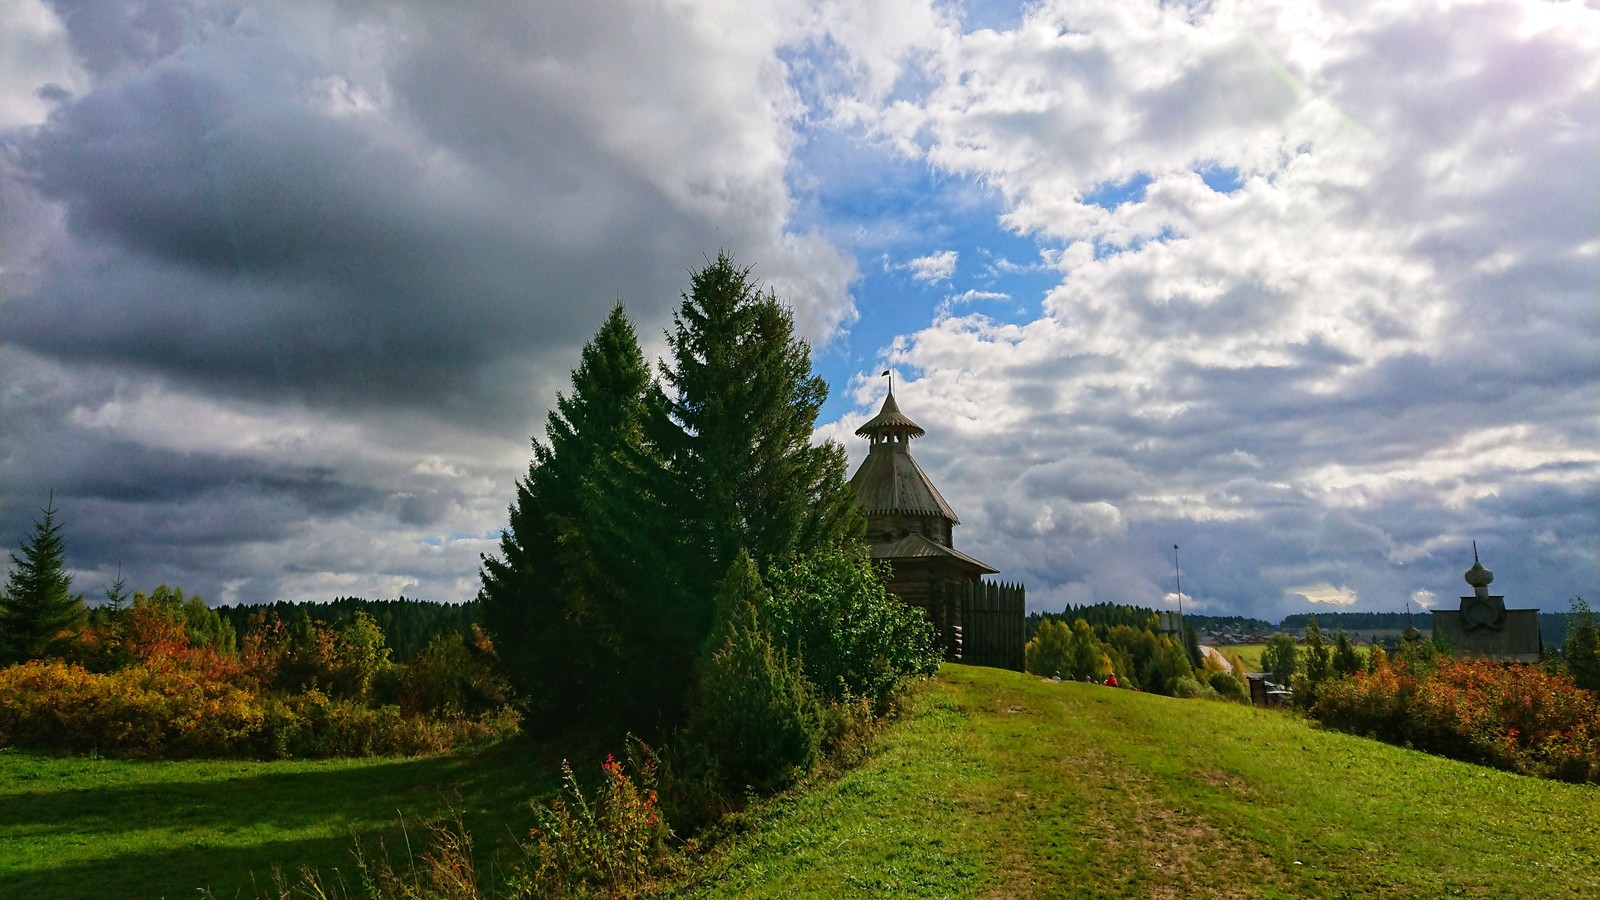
909	527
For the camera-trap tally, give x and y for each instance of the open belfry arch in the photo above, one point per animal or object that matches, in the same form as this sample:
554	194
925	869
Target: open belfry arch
909	526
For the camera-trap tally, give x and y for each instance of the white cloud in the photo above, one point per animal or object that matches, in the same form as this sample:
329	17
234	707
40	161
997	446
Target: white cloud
1325	594
1380	340
933	267
972	295
287	288
35	63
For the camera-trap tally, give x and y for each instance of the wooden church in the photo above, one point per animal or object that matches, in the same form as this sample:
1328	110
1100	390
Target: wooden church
909	526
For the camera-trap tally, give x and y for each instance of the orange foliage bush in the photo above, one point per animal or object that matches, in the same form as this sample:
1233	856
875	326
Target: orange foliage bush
136	711
1511	716
171	712
140	687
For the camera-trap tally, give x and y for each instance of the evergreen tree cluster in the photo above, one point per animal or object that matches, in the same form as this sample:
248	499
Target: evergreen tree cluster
408	625
1125	641
1100	616
1203	622
1357	621
647	495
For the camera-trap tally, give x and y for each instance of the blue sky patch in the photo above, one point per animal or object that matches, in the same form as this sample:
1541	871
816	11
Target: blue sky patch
1111	194
1222	179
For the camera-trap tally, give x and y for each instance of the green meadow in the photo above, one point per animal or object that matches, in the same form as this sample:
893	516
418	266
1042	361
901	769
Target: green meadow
1249	654
994	784
82	828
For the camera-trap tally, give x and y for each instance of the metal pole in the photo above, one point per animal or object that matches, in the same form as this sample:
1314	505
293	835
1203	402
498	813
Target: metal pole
1178	575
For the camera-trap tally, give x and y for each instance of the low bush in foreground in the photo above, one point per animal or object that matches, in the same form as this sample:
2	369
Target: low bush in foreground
1511	716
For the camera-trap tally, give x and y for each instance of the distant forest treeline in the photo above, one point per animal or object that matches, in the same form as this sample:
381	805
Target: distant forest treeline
408	625
1098	615
1227	623
1552	625
1356	621
1359	625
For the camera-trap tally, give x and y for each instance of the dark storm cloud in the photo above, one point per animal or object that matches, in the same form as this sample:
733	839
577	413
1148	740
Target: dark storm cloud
109	38
289	284
247	240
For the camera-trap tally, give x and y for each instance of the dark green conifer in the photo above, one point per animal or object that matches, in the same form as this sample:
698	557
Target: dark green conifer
1346	661
555	596
742	407
1582	647
38	611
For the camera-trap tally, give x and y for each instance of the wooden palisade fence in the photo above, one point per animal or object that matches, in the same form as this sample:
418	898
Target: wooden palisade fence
988	631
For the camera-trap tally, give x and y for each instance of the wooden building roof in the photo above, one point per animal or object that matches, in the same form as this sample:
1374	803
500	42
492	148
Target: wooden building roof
890	419
890	481
915	546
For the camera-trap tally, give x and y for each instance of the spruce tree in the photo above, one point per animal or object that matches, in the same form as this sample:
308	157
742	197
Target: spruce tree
737	432
573	552
1346	661
38	609
1317	661
117	599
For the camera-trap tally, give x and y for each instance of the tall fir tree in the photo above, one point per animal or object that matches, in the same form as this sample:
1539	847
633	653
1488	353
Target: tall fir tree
38	610
1317	660
556	596
645	493
1346	661
739	415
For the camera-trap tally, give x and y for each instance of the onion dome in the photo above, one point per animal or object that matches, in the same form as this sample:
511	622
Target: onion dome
1478	576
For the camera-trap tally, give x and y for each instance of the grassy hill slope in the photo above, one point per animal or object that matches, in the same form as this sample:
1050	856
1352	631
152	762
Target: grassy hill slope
995	785
1001	785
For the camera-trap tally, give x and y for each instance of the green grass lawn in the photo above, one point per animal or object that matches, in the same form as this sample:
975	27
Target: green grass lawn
1249	654
995	785
83	828
1004	786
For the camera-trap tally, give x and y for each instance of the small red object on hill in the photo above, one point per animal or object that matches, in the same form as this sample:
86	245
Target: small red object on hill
1111	680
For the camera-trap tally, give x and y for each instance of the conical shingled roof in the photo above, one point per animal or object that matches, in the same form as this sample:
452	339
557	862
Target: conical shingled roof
890	481
890	418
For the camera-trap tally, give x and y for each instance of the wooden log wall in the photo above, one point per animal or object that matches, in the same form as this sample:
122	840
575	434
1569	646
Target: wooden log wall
991	624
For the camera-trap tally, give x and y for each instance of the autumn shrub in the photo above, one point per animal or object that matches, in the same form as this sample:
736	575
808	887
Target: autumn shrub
1508	715
454	678
136	711
165	711
1227	686
613	844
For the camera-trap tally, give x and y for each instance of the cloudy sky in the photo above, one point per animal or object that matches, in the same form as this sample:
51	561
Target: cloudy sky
1309	291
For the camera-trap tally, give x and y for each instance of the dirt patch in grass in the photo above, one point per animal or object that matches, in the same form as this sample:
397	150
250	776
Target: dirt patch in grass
1176	852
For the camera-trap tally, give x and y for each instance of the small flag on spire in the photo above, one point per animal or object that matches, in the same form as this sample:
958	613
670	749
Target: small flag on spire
885	372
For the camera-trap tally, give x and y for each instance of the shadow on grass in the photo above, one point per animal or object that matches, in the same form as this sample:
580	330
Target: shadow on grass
228	872
171	838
